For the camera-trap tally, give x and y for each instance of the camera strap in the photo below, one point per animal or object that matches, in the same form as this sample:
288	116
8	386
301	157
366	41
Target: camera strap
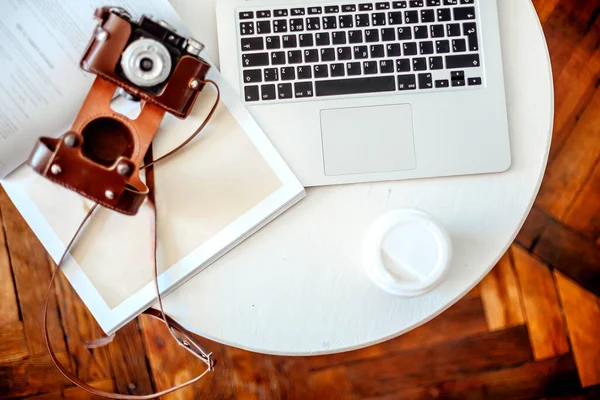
183	337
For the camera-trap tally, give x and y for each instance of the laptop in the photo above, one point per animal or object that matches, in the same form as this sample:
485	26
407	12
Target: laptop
370	91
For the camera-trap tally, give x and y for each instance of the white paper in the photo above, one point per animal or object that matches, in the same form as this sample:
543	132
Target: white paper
41	84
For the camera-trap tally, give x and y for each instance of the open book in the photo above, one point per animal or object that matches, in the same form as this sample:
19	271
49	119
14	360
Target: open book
210	196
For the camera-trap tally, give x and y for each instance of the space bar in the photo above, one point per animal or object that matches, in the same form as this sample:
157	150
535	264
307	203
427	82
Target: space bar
334	87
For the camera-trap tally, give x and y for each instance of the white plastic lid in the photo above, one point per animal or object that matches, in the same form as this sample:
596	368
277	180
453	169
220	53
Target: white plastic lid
406	253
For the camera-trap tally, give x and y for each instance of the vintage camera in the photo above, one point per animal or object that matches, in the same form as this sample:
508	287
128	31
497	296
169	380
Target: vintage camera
147	61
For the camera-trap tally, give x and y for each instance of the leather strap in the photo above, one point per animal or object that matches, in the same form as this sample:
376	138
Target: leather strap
183	337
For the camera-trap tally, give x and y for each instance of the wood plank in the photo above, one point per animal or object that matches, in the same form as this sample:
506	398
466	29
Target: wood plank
572	254
13	344
330	384
501	296
441	362
551	377
254	377
544	8
219	383
75	393
9	307
584	215
569	171
128	359
464	319
532	228
547	331
582	312
33	375
31	271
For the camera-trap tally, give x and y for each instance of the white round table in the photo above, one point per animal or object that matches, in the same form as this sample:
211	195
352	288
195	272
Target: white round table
297	287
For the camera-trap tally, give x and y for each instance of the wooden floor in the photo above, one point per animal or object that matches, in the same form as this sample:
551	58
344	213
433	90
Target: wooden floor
531	329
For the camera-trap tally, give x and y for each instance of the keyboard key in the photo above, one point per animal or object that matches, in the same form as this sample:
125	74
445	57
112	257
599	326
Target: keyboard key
365	7
442	46
443	14
311	55
437	31
303	89
404	33
464	13
393	50
459	45
407	82
353	68
281	13
410	49
338	37
278	58
436	63
421	32
386	66
255	43
348	8
315	10
330	87
344	53
252	75
273	42
427	16
280	26
467	1
361	20
425	81
328	54
458	82
251	93
419	64
382	6
289	41
294	56
453	30
470	30
322	39
284	90
426	48
378	19
297	11
337	69
395	18
271	74
450	2
462	61
474	81
457	75
267	92
355	37
246	15
403	65
330	22
332	9
346	21
376	51
247	28
434	3
287	73
360	52
296	24
369	67
263	27
388	34
415	3
442	83
255	59
411	17
263	14
313	24
320	71
306	40
371	35
399	4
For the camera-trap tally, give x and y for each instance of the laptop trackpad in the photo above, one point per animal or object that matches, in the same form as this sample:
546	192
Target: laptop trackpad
364	140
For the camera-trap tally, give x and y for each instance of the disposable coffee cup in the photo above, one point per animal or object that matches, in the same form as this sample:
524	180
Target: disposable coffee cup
406	252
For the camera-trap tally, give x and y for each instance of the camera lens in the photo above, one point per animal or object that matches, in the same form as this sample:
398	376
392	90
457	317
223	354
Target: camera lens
146	64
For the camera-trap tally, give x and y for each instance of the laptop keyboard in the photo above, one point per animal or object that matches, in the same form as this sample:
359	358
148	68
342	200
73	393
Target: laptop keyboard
346	49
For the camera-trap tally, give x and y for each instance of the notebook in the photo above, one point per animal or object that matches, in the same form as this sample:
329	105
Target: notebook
210	196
